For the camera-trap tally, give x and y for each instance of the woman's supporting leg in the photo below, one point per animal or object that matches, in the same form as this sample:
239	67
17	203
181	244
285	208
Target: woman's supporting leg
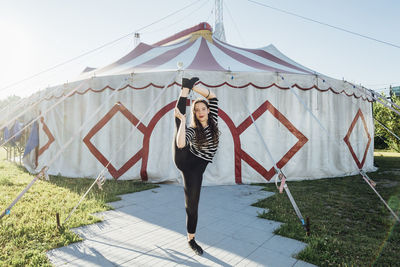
193	177
192	183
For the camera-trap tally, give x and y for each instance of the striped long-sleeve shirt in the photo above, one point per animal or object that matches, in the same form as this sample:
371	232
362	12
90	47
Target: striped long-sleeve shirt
208	150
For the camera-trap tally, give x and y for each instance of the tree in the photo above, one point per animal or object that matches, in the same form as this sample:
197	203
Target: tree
391	120
9	100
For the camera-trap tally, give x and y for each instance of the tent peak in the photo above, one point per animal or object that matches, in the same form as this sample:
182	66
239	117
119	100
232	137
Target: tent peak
202	29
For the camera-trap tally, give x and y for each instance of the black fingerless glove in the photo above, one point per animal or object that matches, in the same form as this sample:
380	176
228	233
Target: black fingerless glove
189	83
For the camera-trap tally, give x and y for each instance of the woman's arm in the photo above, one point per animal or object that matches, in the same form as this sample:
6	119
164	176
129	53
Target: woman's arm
180	136
204	92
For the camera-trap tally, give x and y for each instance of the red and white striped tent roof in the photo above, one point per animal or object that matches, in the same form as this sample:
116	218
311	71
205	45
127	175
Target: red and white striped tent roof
198	50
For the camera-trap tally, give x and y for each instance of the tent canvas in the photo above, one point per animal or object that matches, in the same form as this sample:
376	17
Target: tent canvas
268	81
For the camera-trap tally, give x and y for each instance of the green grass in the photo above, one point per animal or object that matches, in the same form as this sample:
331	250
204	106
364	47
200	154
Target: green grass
30	230
350	226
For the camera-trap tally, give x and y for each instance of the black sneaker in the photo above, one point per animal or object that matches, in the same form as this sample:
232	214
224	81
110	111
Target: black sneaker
196	248
185	83
189	83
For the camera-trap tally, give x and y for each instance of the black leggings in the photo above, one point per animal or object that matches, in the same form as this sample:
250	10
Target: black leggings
192	169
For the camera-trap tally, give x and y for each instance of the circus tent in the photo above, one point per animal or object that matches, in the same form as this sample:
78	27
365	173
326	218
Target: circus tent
314	126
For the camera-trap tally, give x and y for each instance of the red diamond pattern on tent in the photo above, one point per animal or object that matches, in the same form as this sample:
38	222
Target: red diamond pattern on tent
347	139
49	135
100	157
268	174
240	154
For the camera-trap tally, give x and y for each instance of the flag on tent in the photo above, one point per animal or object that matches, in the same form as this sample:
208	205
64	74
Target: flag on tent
33	140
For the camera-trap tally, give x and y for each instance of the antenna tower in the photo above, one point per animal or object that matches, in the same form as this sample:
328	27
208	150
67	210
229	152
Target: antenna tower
219	31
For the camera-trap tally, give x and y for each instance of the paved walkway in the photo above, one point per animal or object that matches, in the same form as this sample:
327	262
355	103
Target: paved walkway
148	229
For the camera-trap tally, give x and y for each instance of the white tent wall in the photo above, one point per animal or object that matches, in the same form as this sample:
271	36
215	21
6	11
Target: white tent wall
77	160
297	143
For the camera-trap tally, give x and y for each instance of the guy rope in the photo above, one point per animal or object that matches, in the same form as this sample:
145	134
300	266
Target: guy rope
368	180
43	172
280	176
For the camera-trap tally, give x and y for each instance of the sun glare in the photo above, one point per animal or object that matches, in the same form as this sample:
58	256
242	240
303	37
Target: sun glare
15	54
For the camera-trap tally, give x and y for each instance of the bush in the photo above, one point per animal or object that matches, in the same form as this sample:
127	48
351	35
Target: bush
392	121
380	142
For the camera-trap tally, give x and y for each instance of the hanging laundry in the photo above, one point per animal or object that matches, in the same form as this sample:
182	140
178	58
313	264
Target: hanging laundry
6	135
16	130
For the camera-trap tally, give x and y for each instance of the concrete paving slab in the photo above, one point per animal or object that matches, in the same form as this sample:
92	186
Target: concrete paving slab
252	235
265	225
266	257
284	245
148	228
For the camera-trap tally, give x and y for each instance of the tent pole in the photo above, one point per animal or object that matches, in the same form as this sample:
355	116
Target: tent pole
385	102
278	172
383	125
7	211
367	180
361	172
44	169
382	97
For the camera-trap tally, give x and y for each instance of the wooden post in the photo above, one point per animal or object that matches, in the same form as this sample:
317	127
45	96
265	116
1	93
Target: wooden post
58	220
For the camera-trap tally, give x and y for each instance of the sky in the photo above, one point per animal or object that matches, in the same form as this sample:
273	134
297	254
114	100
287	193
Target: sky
41	34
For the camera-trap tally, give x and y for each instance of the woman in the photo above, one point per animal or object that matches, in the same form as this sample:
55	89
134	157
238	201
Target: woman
194	148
